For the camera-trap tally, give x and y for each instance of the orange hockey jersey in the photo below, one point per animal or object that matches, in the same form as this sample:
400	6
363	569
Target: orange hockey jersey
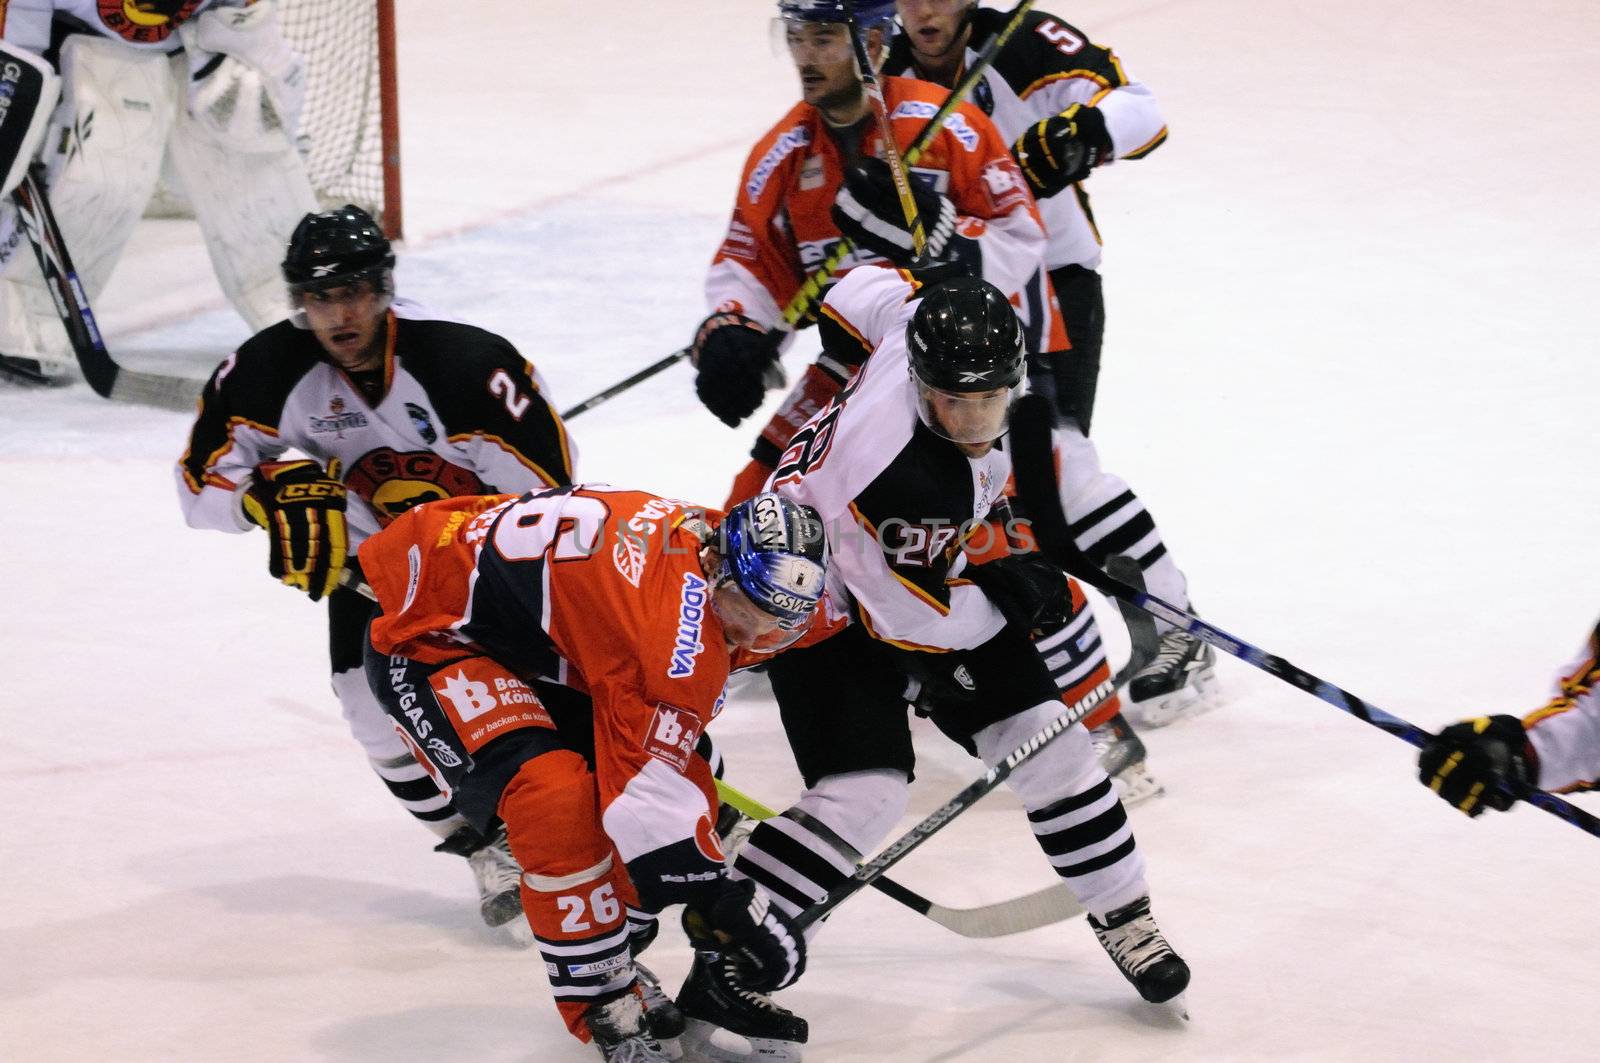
782	230
592	587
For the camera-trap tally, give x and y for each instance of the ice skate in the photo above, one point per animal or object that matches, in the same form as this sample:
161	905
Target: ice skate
621	1032
495	869
1134	942
1180	682
730	1024
1120	751
661	1013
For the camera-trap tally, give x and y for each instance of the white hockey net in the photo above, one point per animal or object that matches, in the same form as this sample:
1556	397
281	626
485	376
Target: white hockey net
342	125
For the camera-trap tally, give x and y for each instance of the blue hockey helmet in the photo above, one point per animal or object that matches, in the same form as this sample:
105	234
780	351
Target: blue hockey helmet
775	550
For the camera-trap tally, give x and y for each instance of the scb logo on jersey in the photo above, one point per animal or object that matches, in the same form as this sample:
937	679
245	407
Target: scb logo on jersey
145	21
394	481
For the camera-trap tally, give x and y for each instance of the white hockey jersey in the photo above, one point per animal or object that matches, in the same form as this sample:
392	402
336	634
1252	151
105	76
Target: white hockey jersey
895	499
1566	732
27	23
1046	67
458	412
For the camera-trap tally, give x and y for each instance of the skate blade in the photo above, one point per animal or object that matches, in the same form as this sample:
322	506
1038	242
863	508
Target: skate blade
517	934
1135	786
1194	698
1178	1007
704	1042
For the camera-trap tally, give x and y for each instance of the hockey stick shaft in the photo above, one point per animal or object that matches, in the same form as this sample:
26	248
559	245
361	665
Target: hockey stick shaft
100	370
811	291
623	385
940	818
1029	912
891	151
1035	477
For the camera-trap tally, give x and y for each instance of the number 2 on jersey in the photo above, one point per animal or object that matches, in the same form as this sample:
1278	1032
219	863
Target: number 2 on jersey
502	386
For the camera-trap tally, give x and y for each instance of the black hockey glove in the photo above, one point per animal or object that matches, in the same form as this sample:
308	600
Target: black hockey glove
1060	150
867	210
759	945
302	508
1479	763
732	355
1029	590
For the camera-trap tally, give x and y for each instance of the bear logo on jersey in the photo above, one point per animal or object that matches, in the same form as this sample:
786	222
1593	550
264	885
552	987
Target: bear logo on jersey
145	21
393	481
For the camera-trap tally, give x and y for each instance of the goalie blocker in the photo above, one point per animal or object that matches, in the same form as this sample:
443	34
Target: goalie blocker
28	91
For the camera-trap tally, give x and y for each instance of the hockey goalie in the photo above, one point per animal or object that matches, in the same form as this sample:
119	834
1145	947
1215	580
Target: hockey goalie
210	85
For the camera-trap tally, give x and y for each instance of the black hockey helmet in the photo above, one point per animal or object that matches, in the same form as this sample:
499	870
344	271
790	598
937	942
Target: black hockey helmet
335	247
966	350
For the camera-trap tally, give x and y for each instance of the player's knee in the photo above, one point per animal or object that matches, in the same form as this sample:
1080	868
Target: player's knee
369	723
861	807
552	817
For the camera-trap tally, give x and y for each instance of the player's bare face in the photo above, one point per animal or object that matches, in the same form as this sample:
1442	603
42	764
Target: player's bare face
348	323
936	30
972	420
744	624
826	64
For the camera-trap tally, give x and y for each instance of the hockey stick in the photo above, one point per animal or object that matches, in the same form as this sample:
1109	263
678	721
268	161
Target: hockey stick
1053	904
811	291
873	869
623	385
891	150
1033	461
108	379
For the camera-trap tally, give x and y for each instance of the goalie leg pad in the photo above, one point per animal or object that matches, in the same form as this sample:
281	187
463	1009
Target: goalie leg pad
29	89
1073	809
102	156
245	246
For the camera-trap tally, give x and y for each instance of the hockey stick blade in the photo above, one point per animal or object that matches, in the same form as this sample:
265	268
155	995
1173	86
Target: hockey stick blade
874	869
1046	907
1033	462
108	379
1053	904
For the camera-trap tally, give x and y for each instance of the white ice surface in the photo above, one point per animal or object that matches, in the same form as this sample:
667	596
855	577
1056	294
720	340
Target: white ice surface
1351	366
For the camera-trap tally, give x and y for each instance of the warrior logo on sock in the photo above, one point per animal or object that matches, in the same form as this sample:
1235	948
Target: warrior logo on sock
394	481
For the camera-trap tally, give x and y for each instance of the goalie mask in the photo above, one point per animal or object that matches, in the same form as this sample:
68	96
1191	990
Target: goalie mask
336	249
773	549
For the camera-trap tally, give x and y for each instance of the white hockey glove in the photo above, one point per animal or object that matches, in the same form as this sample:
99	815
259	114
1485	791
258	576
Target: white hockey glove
246	85
29	88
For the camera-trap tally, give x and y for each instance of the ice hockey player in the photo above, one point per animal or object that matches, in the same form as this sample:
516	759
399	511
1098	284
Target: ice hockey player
211	83
898	466
1068	107
552	659
1482	763
393	406
816	176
